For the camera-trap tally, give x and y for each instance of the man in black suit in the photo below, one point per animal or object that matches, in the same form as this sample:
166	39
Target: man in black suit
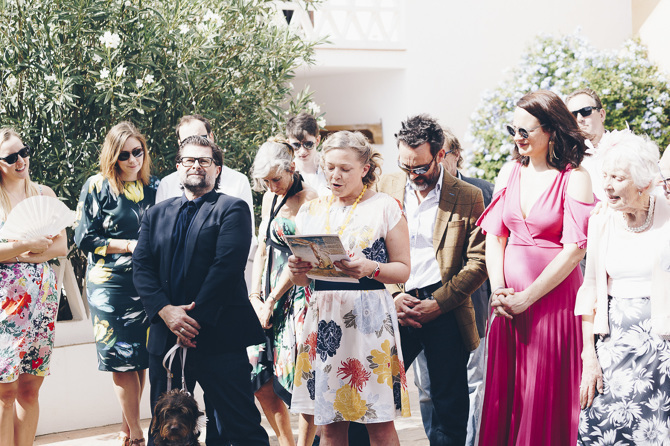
452	161
189	271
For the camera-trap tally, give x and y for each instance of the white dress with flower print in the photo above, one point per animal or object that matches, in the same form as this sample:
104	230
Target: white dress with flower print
349	365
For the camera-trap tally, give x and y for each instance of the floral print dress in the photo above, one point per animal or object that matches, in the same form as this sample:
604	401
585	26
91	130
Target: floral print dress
277	356
349	365
28	308
120	324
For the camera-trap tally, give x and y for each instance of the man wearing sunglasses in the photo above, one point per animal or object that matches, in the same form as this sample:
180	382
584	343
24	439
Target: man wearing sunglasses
302	132
586	107
447	254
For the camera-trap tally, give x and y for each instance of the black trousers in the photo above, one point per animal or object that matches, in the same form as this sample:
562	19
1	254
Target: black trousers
225	378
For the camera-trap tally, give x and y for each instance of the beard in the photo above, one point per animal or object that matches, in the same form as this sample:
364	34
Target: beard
198	183
427	180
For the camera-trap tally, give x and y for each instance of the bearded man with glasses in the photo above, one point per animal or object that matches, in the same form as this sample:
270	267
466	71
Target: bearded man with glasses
588	110
188	269
434	307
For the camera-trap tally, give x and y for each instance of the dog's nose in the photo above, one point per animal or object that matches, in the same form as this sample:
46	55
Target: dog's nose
174	428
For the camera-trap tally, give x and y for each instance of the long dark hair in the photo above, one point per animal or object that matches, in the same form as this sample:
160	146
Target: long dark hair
568	140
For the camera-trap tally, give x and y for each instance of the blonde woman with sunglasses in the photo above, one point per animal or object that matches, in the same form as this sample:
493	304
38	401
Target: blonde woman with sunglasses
28	300
109	214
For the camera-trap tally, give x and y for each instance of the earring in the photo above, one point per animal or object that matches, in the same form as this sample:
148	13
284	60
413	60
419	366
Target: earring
639	193
552	153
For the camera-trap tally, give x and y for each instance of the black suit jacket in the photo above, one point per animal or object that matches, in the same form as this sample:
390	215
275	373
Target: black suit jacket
215	256
480	298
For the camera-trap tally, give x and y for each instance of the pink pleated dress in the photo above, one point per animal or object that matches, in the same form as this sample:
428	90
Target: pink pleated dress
534	364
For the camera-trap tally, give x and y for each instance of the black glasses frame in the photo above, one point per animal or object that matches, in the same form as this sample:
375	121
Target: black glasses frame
189	161
137	152
511	129
420	170
24	152
585	111
309	145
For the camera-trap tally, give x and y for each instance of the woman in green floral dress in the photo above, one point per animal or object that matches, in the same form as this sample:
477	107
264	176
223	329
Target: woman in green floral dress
280	306
109	214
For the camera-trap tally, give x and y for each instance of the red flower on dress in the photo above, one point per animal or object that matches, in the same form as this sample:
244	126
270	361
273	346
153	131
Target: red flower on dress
354	370
311	341
37	363
50	326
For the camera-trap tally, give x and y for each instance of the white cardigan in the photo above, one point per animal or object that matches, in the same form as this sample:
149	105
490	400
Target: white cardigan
592	296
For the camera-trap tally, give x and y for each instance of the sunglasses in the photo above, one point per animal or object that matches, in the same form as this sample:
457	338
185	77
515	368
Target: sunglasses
137	153
188	161
586	111
512	130
14	157
309	145
420	170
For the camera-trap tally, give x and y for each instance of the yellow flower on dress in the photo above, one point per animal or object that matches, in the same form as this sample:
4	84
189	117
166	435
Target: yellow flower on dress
349	403
365	237
134	191
95	183
302	364
404	402
99	273
101	250
382	360
102	332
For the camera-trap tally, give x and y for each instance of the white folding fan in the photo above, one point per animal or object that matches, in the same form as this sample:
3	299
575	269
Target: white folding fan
36	217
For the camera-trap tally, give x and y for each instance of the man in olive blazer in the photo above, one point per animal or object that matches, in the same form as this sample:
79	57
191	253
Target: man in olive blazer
447	253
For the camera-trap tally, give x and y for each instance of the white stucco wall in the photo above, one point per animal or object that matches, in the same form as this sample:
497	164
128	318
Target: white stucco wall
453	52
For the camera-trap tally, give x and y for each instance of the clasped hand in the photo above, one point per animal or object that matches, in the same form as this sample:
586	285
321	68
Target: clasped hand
413	312
180	323
508	303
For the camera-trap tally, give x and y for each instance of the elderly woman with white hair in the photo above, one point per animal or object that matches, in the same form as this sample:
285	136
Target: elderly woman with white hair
279	304
625	302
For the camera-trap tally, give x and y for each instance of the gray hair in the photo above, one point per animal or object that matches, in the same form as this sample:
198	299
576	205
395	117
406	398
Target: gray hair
636	154
273	154
357	142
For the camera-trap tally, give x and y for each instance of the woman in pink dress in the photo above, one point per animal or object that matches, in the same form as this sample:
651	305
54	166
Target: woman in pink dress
535	237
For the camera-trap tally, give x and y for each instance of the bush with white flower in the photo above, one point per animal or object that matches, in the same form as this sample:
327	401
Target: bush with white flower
71	70
634	92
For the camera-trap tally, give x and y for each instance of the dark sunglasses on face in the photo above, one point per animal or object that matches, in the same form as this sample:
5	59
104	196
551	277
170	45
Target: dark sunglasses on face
523	132
420	170
14	157
188	161
137	153
309	145
586	111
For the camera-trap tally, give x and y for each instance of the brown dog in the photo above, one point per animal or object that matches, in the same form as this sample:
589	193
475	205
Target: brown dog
176	420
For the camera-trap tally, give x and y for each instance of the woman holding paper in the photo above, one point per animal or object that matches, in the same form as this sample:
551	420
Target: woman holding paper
109	214
28	300
279	304
349	365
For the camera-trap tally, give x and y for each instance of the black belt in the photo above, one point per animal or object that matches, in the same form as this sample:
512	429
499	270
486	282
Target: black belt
362	285
425	292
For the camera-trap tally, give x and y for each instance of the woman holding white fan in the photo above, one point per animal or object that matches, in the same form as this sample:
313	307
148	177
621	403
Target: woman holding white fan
28	300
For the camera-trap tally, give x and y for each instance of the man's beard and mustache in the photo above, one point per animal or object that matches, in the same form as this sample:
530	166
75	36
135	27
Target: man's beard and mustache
198	182
428	180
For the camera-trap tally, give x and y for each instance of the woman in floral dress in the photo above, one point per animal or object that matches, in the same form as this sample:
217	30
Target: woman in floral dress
28	300
349	365
625	302
110	210
279	304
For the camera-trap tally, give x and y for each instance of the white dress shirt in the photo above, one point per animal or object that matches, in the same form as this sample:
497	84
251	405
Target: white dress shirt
421	222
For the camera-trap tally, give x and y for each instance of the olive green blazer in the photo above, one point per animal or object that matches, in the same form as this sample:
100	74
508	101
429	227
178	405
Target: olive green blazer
459	248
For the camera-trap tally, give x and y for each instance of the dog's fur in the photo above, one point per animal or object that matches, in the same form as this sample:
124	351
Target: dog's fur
175	420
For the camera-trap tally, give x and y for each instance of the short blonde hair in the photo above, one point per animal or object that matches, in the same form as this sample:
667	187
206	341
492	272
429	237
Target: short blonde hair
109	155
276	153
357	142
31	188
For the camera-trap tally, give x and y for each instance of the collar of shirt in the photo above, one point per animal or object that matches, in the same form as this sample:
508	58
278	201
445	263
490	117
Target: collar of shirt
198	201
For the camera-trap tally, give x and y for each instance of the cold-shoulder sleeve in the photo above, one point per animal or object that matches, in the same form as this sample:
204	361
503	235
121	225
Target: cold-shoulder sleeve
491	220
576	220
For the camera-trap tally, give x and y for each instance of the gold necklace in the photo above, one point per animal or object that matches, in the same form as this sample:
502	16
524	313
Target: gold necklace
340	229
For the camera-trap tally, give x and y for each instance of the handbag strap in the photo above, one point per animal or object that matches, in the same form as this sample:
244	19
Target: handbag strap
169	357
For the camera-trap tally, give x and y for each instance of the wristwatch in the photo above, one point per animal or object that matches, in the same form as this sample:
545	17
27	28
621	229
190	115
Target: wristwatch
375	273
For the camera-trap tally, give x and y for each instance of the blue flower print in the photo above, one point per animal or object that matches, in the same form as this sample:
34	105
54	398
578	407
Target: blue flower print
369	313
328	339
310	387
377	251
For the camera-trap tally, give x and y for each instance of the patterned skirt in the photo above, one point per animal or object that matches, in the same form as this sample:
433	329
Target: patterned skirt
635	406
349	365
28	307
